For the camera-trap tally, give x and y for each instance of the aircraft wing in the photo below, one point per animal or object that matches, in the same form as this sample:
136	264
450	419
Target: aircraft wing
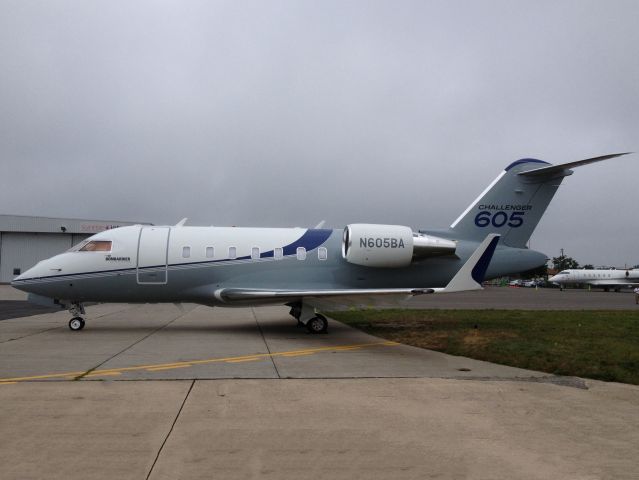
469	277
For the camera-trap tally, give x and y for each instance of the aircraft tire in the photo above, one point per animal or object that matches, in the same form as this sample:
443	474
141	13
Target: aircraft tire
76	324
317	324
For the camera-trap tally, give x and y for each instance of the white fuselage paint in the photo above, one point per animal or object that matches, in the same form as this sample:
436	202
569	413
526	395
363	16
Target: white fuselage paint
602	278
223	240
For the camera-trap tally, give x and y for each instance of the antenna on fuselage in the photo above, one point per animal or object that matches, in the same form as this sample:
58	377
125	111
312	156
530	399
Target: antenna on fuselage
320	224
181	222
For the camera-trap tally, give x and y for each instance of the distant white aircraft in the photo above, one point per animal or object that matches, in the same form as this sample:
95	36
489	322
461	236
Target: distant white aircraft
605	279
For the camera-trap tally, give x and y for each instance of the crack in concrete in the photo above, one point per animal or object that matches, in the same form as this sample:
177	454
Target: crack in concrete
259	327
53	328
89	371
170	430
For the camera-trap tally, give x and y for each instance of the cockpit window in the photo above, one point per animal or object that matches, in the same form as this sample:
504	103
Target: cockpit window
565	272
78	246
96	246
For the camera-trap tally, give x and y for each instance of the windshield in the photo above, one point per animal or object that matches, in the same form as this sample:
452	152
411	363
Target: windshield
78	246
92	246
97	246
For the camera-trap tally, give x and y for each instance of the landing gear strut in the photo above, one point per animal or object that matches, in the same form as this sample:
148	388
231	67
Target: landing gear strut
296	313
77	322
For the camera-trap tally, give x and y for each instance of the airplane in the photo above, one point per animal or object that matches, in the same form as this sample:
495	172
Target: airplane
306	269
606	279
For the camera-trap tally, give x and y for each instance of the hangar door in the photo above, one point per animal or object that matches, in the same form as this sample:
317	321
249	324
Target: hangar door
152	255
21	251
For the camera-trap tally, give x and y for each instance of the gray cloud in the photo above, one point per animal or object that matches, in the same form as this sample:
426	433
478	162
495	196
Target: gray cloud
285	113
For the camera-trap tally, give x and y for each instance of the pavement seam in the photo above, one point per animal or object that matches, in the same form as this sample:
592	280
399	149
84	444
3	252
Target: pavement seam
29	335
259	327
89	371
157	456
53	328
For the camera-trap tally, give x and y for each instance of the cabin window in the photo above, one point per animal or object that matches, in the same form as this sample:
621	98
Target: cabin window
322	253
255	253
186	252
301	253
210	252
97	246
278	253
232	252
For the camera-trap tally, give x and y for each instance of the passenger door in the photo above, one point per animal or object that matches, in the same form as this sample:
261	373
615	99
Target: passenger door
153	246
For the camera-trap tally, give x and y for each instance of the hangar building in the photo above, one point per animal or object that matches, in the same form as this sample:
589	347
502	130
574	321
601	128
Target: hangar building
24	241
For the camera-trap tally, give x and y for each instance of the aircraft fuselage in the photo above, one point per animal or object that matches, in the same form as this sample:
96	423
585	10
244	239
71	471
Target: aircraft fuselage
190	264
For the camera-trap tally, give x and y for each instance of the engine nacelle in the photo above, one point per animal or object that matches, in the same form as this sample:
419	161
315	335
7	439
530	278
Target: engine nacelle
390	246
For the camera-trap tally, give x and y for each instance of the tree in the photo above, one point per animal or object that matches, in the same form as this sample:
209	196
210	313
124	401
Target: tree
541	271
562	262
588	267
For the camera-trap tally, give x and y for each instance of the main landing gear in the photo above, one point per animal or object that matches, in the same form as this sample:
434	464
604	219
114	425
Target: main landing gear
317	324
77	322
307	316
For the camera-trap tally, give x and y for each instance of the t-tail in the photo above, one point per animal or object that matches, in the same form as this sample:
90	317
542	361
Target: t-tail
515	201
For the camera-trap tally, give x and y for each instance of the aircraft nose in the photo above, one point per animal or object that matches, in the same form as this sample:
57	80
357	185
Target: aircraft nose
19	281
22	276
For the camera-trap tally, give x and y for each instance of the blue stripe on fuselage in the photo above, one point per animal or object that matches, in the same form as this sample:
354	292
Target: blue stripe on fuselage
311	239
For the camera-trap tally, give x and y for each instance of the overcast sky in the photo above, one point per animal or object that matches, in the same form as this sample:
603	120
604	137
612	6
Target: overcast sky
285	113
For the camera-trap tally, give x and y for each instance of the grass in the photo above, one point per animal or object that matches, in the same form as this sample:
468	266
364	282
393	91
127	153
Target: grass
602	345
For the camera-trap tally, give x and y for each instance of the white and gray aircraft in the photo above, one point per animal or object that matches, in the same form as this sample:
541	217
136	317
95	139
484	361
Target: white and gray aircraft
606	279
306	269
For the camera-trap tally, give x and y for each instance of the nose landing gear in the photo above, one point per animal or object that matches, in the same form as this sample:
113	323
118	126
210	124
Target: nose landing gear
77	322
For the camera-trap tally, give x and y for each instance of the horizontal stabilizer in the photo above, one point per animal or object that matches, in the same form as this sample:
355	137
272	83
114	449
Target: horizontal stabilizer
551	169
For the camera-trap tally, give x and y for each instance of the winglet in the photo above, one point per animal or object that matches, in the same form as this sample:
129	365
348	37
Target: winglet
472	273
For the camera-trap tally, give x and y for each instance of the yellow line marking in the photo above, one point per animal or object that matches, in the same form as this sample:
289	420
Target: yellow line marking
100	373
168	367
8	383
238	359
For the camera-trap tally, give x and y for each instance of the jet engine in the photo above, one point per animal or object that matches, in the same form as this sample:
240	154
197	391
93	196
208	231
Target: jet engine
390	246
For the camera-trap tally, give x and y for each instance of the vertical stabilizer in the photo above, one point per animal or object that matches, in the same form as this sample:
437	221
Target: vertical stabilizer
515	201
